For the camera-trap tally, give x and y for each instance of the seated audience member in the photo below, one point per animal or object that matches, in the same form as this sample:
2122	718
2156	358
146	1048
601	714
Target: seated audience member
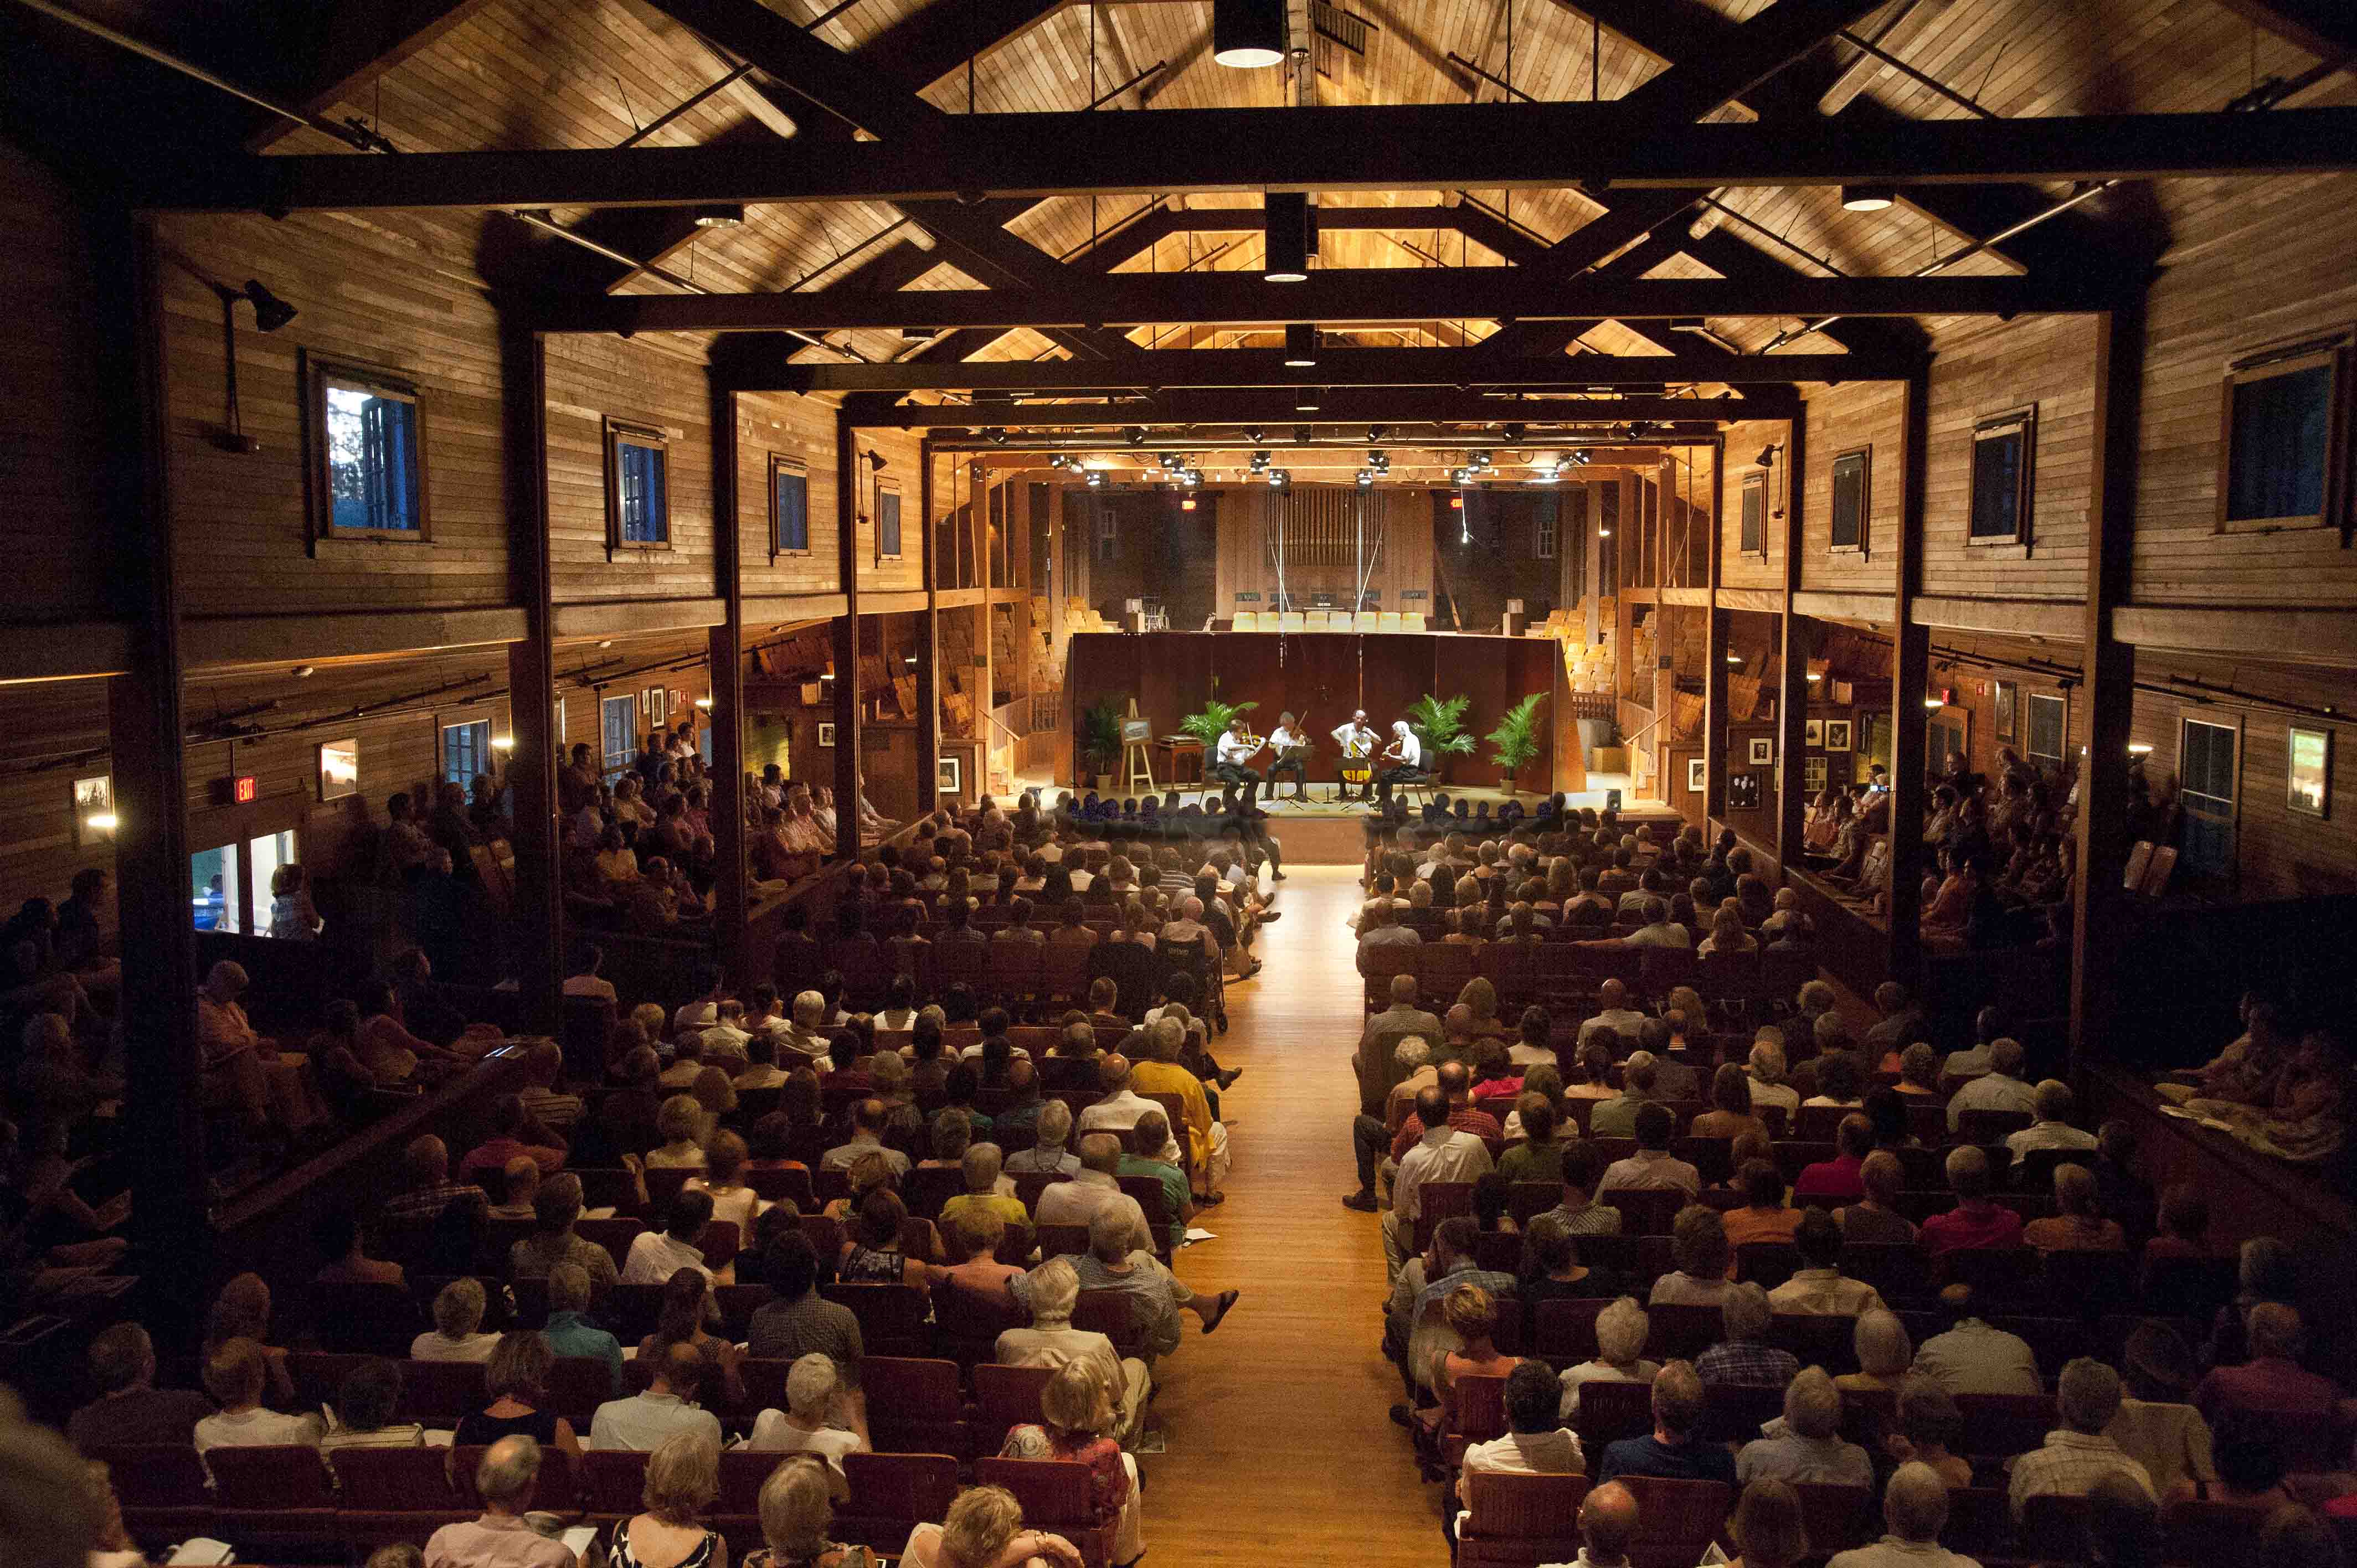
680	1122
1617	1117
2182	1232
457	1334
2077	1453
1767	1068
985	1189
1157	1296
1538	1158
1588	1074
656	1255
796	1319
1151	1133
822	1416
867	1118
1698	1247
1652	1166
1840	1176
2052	1128
1613	1015
514	1137
1998	1088
2249	1470
543	1102
2078	1227
1051	1342
1840	1079
361	1416
505	1479
1439	1152
1817	1288
1875	1220
724	1156
873	1253
555	1208
1744	1358
1883	1350
1915	1510
2156	1426
428	1162
1672	1450
1808	1452
682	1480
2272	1381
517	1378
1048	1154
235	1374
1731	1115
984	1529
1766	1527
1975	1220
568	1331
1919	1070
1971	1358
1095	1186
1930	1428
1583	1169
644	1421
686	1308
1121	1105
1607	1524
242	1311
973	1241
1470	1314
129	1409
1077	1415
797	1519
1620	1331
1763	1214
1536	1441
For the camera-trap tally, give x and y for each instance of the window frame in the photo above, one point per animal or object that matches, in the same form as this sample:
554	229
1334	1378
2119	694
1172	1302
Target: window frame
1861	546
2334	350
2030	701
1754	491
781	466
1108	532
442	728
884	487
318	371
2323	810
2023	421
620	432
1546	529
609	768
2187	797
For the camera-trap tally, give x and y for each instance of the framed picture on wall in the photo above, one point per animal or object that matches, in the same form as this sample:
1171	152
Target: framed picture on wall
93	809
1698	775
826	731
1743	791
1763	751
949	777
1812	732
2005	695
1836	734
656	702
2310	789
1813	774
339	768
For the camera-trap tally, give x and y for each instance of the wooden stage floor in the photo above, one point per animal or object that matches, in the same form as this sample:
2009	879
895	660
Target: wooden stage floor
1278	1443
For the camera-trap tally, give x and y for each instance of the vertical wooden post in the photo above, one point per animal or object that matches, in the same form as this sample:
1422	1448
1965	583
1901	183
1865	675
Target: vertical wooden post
726	672
1793	661
1911	653
928	632
163	1102
846	640
1717	757
539	951
2110	671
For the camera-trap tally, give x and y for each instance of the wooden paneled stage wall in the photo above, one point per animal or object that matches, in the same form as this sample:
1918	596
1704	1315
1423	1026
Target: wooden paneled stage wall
1320	677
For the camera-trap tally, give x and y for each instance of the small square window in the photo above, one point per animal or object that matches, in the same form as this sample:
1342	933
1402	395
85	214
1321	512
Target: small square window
789	507
888	520
2003	451
1754	538
1853	475
367	439
2285	458
638	487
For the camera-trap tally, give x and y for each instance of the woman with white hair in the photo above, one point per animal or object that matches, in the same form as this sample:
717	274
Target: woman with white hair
682	1480
1620	1331
819	1418
1053	1342
1809	1450
1768	1085
457	1321
797	1514
1884	1353
1077	1410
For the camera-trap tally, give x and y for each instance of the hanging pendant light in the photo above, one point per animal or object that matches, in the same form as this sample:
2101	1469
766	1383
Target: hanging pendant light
1286	236
1248	34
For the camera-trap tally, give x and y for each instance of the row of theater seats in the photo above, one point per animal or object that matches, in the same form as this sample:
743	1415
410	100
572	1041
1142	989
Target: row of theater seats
1552	970
1519	1521
1011	975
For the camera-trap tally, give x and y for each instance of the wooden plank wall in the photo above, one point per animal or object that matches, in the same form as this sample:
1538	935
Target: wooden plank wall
43	725
644	383
784	425
1839	419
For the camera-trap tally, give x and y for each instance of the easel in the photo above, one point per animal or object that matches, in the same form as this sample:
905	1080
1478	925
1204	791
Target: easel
1136	751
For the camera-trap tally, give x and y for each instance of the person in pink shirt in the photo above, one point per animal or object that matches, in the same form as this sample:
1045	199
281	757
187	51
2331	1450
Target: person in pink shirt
2272	1383
1974	1221
1838	1178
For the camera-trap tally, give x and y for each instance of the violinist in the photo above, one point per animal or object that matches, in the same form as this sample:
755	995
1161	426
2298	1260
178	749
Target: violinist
1233	766
1291	743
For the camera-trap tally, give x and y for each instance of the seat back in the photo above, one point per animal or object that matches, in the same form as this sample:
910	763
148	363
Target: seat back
1111	1313
1644	1211
1610	1412
927	1188
1677	1520
1837	1518
438	1392
914	1406
613	1481
1519	1521
156	1475
1816	1340
577	1385
1062	1241
891	1317
2001	1425
1766	1263
1985	1127
2054	1528
1735	1413
1055	1495
270	1479
2088	1284
1566	1330
892	1494
1897	1272
1481	1407
365	1319
1436	1202
1006	1398
2001	1277
615	1235
1441	970
397	1480
1682	1331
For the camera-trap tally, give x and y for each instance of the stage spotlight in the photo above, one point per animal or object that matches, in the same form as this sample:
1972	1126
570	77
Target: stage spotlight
1279	478
995	434
1480	460
1096	480
1366	478
1579	454
1192	479
1259	462
1377	431
1515	429
1254	434
1135	434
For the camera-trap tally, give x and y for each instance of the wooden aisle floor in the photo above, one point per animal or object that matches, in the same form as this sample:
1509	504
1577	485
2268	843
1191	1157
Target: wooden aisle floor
1278	1440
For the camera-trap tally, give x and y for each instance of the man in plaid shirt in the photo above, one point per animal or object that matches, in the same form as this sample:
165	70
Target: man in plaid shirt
1746	1360
431	1190
2078	1454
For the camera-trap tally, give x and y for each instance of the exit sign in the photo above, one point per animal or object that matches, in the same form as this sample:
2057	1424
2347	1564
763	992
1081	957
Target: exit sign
244	788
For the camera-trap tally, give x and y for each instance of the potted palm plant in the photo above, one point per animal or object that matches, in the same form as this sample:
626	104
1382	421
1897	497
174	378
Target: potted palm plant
1440	724
1212	722
1100	741
1516	740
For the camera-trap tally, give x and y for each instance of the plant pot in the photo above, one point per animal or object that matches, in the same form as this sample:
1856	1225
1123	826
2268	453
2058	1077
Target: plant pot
1506	782
1105	782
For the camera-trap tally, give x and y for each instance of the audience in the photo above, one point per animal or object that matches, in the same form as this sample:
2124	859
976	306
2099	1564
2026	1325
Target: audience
505	1479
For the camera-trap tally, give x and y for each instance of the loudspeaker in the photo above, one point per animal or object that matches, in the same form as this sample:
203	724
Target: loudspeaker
1612	799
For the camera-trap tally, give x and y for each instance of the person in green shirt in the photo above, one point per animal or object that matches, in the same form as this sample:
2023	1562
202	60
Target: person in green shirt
1538	1158
1153	1131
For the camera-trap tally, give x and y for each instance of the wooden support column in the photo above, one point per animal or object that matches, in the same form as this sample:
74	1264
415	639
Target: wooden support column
846	641
163	1114
1911	653
539	951
2110	671
1716	641
1793	664
726	672
929	629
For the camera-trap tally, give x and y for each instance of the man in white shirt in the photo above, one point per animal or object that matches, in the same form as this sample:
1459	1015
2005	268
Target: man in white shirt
2077	1453
724	1043
2052	1105
1118	1111
1613	1011
1659	930
812	1387
694	1017
1973	1062
1537	1443
1818	1288
867	1138
1972	1357
1442	1153
1999	1088
585	980
500	1538
1289	746
1355	738
656	1255
801	1044
1915	1507
1403	761
1094	1187
1231	763
642	1421
234	1377
1652	1166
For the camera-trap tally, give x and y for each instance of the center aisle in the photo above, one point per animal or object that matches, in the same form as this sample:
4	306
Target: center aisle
1278	1440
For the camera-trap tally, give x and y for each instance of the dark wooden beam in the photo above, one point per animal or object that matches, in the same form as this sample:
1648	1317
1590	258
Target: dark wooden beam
937	39
534	765
1792	654
725	649
928	643
1173	368
1427	147
353	44
1337	297
848	705
1343	406
2325	28
1747	56
1911	653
